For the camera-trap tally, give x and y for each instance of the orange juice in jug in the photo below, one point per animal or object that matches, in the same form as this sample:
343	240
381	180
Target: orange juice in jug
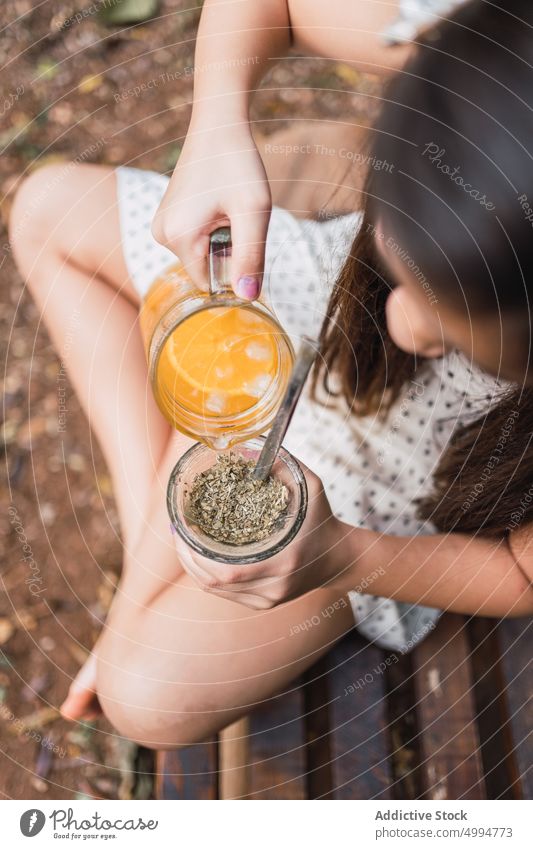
218	365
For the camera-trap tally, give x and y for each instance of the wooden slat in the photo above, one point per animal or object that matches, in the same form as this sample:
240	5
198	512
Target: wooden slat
516	636
234	763
449	742
402	728
494	728
319	781
190	773
358	726
277	748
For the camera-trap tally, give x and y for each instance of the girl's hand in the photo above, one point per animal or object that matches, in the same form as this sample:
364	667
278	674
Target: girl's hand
218	180
310	560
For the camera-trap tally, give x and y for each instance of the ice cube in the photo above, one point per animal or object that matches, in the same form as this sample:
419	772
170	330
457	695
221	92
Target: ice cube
230	341
258	386
215	402
223	371
257	351
249	317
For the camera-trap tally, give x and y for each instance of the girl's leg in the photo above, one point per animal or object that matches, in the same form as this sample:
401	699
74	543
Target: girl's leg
174	663
65	235
313	177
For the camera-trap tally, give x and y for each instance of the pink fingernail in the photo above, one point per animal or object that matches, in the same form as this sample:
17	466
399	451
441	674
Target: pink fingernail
248	288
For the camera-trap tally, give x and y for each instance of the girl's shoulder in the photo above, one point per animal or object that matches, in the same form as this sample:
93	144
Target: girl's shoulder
416	16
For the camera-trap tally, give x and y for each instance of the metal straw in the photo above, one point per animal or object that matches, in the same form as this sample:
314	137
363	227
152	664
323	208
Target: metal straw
303	362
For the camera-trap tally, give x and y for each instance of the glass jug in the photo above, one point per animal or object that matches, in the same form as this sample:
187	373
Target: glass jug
218	365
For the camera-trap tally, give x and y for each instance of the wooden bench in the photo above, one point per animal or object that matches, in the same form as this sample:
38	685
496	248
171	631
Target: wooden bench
451	720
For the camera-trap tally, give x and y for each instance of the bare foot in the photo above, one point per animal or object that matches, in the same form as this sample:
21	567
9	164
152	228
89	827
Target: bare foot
82	702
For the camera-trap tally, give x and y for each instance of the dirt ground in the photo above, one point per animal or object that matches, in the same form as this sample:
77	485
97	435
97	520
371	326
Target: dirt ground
60	549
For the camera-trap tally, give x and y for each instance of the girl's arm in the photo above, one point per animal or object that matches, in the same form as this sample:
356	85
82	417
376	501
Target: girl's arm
238	40
349	31
457	572
236	43
466	574
220	178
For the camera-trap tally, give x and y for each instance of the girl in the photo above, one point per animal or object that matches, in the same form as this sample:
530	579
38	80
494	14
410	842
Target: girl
421	458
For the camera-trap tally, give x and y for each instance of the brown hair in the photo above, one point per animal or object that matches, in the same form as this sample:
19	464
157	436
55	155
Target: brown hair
484	481
480	254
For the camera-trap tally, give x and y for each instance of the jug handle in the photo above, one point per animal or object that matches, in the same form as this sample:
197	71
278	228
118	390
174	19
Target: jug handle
219	261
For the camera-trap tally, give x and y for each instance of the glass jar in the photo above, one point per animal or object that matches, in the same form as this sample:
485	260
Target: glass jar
218	365
199	458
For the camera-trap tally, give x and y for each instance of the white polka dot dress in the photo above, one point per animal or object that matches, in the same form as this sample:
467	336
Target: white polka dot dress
373	470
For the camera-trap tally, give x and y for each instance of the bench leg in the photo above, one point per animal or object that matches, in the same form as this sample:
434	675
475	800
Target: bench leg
234	760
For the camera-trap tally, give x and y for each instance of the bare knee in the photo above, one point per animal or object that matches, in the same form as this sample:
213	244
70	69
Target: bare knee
41	223
155	713
34	214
